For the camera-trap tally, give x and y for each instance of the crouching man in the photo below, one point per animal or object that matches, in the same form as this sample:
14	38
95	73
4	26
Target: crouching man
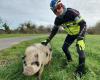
75	26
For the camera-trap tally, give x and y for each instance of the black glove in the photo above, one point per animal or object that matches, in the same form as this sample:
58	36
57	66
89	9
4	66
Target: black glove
45	42
80	38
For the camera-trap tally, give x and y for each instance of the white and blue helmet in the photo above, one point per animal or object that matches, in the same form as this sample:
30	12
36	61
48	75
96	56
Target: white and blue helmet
54	3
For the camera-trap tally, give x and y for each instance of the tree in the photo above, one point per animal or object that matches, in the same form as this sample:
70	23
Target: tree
27	27
22	28
41	29
97	28
6	28
91	30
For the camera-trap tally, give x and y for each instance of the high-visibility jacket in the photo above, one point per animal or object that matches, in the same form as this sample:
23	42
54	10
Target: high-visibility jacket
70	21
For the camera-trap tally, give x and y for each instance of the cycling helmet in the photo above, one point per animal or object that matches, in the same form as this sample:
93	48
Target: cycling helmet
54	3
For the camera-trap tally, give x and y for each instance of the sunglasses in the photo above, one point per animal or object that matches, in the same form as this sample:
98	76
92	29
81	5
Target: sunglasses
58	7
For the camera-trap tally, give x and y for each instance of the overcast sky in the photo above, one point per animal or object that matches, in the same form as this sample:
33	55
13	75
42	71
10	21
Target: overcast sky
15	12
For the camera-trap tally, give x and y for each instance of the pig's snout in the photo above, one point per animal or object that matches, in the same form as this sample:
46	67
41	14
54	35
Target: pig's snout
28	71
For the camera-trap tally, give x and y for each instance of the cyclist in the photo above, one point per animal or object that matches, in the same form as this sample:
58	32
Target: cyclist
75	26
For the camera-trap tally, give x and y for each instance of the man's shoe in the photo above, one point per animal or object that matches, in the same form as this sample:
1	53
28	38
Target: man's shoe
80	70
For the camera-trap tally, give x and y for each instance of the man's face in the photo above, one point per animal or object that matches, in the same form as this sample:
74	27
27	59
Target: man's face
59	10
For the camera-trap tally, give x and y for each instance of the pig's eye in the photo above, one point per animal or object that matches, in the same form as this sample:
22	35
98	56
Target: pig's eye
50	49
35	63
24	62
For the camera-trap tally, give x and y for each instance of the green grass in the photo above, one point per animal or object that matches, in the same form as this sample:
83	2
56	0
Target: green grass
15	35
11	69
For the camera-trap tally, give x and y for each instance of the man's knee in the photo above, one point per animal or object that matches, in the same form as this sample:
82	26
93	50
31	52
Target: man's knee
80	48
80	45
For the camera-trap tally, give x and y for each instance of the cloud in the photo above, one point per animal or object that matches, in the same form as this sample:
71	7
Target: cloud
37	11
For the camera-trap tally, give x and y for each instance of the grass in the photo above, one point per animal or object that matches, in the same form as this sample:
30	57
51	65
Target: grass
11	63
15	35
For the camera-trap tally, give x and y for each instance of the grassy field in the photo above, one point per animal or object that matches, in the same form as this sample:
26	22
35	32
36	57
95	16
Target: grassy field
15	35
11	62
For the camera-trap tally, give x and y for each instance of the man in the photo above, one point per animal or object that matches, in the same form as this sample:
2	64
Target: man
75	26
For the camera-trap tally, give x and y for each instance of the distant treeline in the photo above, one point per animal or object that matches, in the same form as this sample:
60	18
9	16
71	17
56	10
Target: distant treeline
26	28
29	28
95	29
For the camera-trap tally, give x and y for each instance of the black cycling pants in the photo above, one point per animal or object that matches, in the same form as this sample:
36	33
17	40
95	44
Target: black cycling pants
80	45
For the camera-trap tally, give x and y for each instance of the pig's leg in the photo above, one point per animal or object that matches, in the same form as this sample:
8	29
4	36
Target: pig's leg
49	62
40	72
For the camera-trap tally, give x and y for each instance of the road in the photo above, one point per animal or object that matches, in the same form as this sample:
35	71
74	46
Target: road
8	42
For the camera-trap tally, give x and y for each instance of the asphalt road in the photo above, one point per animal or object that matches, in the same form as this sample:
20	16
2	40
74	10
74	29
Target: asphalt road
8	42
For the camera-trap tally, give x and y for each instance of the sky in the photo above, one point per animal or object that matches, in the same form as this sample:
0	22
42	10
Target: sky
15	12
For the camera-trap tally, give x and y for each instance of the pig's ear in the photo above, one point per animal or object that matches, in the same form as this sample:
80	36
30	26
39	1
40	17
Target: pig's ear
23	57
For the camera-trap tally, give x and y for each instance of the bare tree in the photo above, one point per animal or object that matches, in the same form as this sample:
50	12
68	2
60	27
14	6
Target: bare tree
97	28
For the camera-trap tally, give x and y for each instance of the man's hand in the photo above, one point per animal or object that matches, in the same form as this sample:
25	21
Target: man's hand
80	38
45	42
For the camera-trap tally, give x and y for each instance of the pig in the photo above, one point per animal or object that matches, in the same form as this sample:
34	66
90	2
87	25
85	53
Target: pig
35	58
